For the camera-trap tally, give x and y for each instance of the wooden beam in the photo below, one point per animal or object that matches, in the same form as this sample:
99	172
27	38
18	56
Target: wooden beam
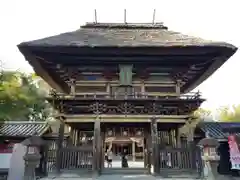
103	116
140	50
89	118
181	60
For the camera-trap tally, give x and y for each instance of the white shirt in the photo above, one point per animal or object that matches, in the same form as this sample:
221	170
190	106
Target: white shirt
110	155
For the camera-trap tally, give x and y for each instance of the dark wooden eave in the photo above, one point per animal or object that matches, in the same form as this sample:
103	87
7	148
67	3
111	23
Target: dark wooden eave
146	42
50	77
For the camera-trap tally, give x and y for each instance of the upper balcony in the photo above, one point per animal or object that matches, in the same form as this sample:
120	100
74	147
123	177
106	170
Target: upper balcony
123	103
126	96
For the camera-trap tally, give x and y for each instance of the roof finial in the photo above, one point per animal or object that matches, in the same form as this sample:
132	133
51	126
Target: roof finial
95	13
154	13
125	16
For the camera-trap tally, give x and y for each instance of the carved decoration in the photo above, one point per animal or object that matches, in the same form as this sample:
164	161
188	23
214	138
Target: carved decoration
120	109
152	108
126	108
98	108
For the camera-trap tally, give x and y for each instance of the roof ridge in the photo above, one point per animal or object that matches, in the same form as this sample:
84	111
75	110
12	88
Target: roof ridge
125	25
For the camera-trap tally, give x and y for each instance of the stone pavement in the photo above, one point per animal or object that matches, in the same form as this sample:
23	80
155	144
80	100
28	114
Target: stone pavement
112	177
131	164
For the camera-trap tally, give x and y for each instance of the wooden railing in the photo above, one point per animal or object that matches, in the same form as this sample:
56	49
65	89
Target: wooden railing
76	158
116	96
185	160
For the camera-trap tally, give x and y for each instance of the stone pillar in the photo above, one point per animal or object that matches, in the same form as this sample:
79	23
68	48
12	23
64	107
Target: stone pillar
211	161
32	156
31	162
133	151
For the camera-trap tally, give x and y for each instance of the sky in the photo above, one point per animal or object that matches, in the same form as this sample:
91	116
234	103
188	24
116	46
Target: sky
209	19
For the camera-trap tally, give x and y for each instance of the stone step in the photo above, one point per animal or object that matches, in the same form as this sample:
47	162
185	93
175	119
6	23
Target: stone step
124	171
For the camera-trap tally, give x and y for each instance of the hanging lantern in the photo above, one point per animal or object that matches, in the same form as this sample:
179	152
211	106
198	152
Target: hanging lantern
125	133
138	133
110	133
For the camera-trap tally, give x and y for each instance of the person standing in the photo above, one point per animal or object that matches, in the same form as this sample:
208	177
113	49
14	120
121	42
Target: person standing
124	159
109	158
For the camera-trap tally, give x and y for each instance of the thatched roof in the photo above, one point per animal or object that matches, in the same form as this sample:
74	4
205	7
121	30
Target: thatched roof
123	35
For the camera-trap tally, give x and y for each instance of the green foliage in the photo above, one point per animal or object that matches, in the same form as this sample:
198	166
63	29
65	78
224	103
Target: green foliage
231	114
20	98
202	113
199	115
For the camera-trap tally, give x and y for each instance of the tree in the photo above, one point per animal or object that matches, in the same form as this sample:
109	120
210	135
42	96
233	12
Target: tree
231	114
198	116
20	98
202	113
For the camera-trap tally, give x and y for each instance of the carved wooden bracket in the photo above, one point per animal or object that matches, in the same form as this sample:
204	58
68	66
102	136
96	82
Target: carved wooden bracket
126	108
98	108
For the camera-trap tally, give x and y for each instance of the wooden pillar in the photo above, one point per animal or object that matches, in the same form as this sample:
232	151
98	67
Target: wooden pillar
108	89
144	154
155	156
60	143
148	152
102	149
142	87
72	87
133	151
178	90
178	145
97	146
192	147
75	137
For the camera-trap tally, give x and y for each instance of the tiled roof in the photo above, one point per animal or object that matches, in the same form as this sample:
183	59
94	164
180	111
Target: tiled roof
214	129
23	128
123	35
219	130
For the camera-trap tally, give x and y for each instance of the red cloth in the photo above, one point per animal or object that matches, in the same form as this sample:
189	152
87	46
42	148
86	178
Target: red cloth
6	148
